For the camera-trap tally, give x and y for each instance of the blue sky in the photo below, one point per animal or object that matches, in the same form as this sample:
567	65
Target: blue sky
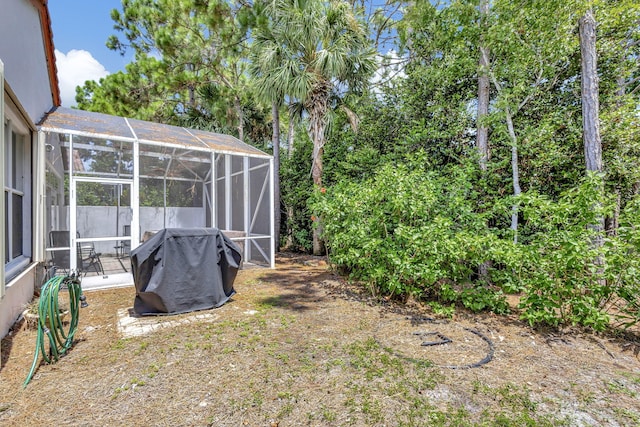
80	31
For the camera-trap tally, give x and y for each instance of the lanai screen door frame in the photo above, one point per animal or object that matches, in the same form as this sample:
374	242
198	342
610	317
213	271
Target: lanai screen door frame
106	279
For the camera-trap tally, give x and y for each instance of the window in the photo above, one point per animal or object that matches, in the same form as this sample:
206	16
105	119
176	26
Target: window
17	193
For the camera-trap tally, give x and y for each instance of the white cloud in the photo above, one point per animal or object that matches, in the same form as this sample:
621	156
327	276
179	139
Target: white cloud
74	68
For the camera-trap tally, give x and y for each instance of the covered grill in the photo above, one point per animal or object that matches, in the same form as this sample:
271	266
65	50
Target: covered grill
184	269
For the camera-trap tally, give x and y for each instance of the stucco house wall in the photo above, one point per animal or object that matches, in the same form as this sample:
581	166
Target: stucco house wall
23	52
29	88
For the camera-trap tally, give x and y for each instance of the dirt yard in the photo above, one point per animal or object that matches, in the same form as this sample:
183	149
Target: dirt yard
297	346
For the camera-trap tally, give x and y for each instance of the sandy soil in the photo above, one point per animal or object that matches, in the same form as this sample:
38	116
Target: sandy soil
299	346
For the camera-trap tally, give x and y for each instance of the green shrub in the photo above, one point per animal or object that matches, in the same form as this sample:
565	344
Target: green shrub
622	269
563	266
407	232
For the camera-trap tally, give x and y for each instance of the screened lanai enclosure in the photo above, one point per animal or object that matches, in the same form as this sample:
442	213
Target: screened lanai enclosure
113	182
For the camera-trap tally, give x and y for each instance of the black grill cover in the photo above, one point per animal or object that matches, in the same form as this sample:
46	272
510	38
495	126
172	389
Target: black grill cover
184	269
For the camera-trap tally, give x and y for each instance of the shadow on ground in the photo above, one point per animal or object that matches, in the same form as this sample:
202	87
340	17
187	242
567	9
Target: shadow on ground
297	290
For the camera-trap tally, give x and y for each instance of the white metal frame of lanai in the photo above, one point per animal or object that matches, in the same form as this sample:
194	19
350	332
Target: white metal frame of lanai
232	163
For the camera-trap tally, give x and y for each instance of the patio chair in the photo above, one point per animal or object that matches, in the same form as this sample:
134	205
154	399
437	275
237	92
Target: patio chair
124	247
87	257
60	259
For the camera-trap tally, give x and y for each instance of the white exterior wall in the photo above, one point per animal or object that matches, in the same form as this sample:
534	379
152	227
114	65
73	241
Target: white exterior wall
17	295
22	51
26	82
152	219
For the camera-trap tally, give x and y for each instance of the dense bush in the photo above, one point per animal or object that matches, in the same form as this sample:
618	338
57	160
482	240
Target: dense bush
408	231
567	276
295	187
562	265
622	270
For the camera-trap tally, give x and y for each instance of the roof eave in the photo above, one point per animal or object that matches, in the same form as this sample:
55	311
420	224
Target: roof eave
50	54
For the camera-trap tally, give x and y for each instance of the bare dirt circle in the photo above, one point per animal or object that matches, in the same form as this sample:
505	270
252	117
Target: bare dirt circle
435	341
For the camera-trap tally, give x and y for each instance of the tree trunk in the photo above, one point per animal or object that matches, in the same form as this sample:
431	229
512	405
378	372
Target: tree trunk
318	107
290	134
590	113
275	140
611	223
515	172
289	243
240	115
316	173
290	148
589	88
317	136
482	130
482	135
192	96
621	91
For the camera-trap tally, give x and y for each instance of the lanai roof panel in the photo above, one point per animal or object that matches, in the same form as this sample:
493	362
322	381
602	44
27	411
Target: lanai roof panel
218	141
156	132
86	122
108	126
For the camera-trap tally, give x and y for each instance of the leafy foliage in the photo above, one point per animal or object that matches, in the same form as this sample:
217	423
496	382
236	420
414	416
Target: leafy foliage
296	188
181	47
622	270
313	52
407	231
561	267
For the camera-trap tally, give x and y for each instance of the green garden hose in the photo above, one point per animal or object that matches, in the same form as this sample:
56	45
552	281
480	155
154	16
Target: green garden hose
50	324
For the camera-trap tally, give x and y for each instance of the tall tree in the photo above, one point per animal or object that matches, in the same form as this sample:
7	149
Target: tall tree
531	47
275	141
180	47
482	135
591	107
589	90
129	94
618	46
291	131
260	61
433	102
313	51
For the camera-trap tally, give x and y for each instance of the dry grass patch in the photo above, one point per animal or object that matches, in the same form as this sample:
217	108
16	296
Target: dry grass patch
299	346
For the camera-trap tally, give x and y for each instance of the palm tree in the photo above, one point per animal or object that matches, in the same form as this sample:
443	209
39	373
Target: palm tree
311	51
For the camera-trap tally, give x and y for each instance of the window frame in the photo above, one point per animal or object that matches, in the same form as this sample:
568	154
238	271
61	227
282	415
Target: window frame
2	274
17	136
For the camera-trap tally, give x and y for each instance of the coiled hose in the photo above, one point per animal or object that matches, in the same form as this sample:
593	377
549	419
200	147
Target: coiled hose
50	324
